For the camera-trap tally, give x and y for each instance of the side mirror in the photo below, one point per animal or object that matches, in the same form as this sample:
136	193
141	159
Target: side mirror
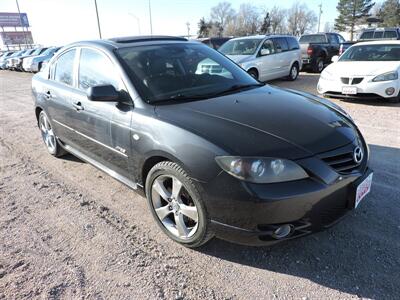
265	52
104	93
335	58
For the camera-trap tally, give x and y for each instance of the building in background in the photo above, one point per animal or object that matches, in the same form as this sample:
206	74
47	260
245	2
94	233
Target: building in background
14	31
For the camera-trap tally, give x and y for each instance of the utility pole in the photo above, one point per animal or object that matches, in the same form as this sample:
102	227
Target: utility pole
22	25
98	20
151	22
319	17
188	29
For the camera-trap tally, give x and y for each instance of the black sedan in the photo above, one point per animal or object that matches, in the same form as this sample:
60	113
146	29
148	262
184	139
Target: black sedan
215	152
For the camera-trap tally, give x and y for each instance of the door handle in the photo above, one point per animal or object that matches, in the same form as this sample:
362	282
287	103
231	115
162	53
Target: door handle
48	95
77	105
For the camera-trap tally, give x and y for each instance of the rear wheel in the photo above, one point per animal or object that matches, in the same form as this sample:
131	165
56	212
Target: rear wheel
294	72
49	137
253	73
319	65
176	205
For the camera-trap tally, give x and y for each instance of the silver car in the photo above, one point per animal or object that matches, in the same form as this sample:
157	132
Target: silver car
35	63
266	57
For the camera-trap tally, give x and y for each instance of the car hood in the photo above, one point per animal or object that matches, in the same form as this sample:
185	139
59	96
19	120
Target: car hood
362	68
264	121
239	58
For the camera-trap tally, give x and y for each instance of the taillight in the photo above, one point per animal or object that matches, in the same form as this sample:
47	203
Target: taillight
309	51
341	50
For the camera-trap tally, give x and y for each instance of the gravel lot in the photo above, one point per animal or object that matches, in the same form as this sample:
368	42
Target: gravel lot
68	231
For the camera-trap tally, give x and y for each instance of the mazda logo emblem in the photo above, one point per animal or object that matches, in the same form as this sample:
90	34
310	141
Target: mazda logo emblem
358	154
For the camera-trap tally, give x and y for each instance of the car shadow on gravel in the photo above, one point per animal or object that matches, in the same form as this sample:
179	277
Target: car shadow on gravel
359	256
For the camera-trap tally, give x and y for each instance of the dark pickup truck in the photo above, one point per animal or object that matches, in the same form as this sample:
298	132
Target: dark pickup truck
375	34
317	49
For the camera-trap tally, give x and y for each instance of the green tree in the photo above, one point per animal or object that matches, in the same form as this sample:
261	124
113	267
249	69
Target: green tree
352	13
390	13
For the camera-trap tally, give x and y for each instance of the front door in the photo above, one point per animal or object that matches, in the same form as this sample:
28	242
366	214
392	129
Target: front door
266	61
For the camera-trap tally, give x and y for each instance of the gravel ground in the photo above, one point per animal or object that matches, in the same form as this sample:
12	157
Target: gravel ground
68	231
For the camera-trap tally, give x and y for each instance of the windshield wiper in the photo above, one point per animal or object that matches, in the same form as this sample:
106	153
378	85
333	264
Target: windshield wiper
177	97
238	87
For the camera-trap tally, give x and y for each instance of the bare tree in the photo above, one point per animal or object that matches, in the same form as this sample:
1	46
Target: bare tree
277	17
300	19
248	20
328	27
222	13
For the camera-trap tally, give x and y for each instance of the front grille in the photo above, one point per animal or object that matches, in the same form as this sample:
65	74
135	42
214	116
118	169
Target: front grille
349	80
342	163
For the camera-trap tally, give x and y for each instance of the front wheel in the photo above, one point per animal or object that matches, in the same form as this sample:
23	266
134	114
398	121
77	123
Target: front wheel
176	205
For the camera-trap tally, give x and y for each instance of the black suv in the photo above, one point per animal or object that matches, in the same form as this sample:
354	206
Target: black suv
215	154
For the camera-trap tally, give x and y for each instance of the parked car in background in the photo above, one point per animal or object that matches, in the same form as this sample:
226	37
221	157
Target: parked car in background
4	56
318	49
35	63
215	155
13	62
373	34
214	42
5	62
265	57
17	63
367	70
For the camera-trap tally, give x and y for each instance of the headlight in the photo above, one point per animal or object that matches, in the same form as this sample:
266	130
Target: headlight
325	75
261	169
386	77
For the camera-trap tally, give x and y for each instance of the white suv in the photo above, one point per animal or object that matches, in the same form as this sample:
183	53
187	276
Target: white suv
266	57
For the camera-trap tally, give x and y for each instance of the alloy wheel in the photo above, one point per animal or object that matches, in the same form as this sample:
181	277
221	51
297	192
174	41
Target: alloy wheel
47	133
294	72
174	206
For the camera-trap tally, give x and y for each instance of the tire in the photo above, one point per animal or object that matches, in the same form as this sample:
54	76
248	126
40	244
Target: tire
294	72
253	73
319	65
171	206
49	137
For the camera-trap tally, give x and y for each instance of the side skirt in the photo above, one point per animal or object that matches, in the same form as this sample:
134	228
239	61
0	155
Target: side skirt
133	185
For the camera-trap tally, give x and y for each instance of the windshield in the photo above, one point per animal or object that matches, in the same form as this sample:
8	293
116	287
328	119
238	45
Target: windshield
50	51
182	71
372	53
240	47
313	38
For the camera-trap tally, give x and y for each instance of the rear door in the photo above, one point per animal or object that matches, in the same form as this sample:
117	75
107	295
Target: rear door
282	57
334	45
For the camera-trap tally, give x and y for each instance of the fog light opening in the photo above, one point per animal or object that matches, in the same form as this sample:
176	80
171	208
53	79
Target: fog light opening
283	231
390	91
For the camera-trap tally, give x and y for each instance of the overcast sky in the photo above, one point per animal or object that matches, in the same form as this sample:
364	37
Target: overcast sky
57	22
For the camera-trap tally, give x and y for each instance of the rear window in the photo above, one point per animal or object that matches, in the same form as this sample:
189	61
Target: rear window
367	35
293	44
378	34
390	34
313	38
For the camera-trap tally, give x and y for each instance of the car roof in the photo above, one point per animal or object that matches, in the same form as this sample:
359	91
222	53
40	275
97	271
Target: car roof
381	42
381	29
261	36
129	41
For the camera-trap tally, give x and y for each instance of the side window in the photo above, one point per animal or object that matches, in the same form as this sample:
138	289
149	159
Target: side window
268	45
281	45
96	69
293	44
341	39
333	39
64	68
367	35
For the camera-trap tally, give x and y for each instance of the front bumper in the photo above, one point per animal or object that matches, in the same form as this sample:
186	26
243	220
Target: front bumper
365	89
248	213
30	66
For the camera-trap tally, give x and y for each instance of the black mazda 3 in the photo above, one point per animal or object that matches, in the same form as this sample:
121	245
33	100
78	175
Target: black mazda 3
215	152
